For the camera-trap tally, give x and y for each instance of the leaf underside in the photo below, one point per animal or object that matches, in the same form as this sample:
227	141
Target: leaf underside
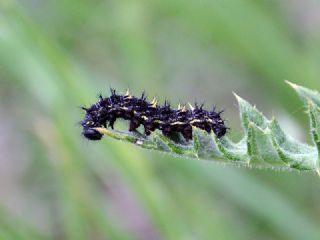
264	145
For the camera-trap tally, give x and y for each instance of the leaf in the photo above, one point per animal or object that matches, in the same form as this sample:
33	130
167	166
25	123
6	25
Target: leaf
264	144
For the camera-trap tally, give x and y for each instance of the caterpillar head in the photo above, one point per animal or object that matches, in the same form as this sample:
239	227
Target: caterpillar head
91	134
88	125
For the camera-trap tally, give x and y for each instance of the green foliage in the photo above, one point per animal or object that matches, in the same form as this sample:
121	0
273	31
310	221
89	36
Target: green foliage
264	143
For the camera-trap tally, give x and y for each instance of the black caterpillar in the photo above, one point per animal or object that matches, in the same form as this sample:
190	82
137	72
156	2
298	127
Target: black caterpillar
152	116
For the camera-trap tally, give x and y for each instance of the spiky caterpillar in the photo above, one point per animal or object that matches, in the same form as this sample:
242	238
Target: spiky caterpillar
139	111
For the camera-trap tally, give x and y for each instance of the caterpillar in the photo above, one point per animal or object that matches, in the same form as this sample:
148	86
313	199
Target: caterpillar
152	116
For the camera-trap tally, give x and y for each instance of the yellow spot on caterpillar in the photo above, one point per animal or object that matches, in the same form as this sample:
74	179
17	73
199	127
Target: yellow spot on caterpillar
127	94
154	102
195	121
144	117
177	123
191	107
184	109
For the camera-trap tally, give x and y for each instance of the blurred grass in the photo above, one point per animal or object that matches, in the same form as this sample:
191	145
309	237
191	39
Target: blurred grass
59	55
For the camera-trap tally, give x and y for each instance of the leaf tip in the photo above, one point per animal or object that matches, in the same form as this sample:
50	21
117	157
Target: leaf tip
291	84
239	99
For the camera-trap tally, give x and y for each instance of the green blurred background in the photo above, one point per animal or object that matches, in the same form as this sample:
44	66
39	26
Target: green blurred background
58	55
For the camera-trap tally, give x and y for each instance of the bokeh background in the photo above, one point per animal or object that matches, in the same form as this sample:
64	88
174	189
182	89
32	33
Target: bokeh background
58	55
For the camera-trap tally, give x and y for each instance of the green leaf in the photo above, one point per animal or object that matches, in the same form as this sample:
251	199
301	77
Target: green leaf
264	144
311	100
